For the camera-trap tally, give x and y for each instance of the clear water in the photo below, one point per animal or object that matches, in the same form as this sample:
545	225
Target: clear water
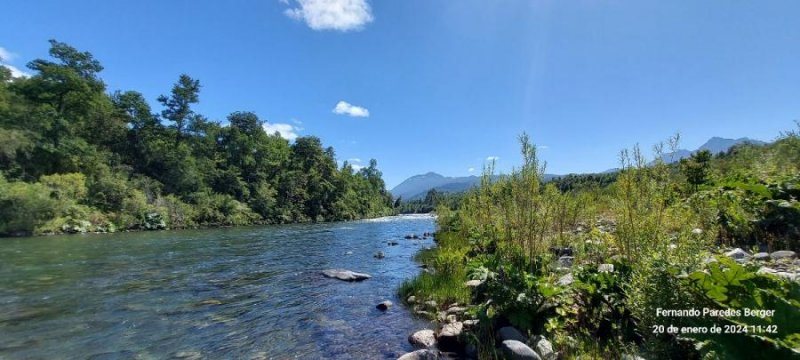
251	292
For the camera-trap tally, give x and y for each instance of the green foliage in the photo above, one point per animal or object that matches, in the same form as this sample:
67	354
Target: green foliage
724	284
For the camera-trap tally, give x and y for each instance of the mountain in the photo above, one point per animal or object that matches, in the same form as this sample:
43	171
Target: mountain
715	145
417	186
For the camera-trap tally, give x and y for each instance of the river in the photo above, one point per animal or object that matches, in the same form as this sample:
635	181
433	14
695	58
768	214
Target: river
232	293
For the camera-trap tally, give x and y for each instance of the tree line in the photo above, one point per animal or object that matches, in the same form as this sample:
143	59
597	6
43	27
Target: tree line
75	158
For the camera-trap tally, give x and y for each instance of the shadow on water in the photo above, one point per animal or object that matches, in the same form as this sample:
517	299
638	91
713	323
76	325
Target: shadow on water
253	292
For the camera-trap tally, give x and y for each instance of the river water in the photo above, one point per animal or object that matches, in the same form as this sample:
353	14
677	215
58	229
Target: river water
236	293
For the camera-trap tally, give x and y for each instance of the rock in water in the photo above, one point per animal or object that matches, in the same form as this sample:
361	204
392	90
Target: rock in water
385	305
380	255
783	254
425	354
449	337
345	275
510	333
422	339
517	350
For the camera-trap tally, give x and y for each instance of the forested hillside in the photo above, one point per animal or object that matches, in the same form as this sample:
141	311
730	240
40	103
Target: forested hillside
75	157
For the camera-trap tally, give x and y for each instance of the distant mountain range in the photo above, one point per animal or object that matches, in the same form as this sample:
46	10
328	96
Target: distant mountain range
715	145
417	186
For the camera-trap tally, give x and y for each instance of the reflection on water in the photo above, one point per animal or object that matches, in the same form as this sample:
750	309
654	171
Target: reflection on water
253	292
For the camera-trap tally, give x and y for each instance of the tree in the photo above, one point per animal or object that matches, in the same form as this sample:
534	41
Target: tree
695	168
178	105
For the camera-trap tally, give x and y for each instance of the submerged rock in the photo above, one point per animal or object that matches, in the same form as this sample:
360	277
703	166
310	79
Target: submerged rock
423	338
384	305
517	350
393	243
345	275
380	255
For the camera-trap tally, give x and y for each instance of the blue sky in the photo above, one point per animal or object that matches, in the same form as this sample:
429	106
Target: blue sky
447	84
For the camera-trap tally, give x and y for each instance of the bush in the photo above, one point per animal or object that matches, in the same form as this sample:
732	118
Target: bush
24	207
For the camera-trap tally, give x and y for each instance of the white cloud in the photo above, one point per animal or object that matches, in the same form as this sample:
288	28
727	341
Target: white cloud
345	108
356	167
471	170
16	72
492	158
6	57
543	147
341	15
354	160
287	131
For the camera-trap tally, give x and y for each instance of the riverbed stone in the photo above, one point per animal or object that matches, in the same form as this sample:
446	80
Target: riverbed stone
473	283
605	268
565	261
566	280
456	309
411	299
424	354
384	305
737	254
510	333
762	256
783	254
431	304
425	338
543	347
345	275
517	350
449	337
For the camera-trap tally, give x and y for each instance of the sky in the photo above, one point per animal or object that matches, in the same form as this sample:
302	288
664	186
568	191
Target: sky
442	85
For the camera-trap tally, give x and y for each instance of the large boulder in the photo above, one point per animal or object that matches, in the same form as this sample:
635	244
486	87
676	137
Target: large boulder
423	339
345	275
517	350
424	354
449	336
510	333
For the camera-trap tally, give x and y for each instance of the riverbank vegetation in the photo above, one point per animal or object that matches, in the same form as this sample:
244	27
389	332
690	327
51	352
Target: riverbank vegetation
76	158
588	264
